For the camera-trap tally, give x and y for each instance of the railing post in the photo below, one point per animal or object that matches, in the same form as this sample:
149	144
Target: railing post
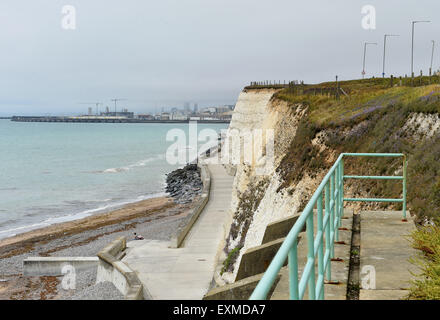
404	187
342	188
327	229
321	246
311	254
336	222
332	214
340	194
293	271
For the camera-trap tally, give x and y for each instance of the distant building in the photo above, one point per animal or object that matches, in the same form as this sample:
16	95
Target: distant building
225	115
209	110
145	117
178	116
124	114
196	107
223	109
165	116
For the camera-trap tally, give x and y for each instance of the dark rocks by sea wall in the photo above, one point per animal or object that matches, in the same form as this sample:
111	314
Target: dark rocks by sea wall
183	185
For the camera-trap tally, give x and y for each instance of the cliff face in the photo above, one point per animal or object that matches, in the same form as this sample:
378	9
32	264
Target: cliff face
305	146
256	199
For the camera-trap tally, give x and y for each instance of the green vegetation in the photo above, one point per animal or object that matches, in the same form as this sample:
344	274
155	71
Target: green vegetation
229	262
427	284
369	116
248	203
370	119
363	97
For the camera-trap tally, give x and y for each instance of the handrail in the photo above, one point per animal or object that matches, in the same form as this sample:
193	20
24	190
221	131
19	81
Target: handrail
329	202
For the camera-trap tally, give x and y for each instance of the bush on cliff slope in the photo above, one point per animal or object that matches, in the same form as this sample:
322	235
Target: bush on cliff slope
248	203
427	284
371	119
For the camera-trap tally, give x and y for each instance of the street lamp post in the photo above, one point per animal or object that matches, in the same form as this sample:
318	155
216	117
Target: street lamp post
432	57
412	47
365	53
384	50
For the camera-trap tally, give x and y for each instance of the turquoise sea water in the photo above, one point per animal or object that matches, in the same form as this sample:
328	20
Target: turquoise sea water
55	172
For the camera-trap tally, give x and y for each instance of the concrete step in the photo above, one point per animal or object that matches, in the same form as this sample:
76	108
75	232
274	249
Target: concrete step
256	260
239	290
338	289
279	229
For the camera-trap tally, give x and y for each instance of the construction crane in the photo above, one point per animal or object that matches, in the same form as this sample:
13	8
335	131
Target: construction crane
116	101
97	104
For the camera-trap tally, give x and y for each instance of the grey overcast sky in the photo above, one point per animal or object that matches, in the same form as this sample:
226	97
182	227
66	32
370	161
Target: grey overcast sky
163	53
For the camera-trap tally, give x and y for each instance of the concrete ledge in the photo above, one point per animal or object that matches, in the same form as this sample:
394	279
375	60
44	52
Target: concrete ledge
256	260
279	229
183	229
110	268
239	290
53	266
383	294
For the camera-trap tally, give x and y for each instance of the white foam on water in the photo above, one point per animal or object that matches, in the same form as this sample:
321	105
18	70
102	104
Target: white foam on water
76	216
140	163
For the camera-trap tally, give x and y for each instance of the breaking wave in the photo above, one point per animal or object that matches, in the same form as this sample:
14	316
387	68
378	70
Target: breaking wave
141	163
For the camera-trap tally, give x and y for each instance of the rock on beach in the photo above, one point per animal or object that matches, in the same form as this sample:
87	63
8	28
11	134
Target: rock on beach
184	184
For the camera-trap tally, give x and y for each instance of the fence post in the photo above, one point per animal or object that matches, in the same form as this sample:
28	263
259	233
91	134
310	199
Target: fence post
404	188
293	271
321	247
327	229
332	214
336	189
342	187
311	254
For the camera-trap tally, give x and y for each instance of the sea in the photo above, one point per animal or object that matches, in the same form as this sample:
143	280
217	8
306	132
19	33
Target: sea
58	172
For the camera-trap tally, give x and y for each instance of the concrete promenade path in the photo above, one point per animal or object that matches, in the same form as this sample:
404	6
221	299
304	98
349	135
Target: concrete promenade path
186	272
385	251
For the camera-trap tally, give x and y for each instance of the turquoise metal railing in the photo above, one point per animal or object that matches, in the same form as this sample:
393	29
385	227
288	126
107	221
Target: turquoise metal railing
328	200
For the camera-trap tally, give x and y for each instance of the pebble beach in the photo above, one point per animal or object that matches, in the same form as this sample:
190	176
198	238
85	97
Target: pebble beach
155	219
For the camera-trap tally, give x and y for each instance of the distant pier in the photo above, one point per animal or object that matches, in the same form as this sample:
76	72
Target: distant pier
106	120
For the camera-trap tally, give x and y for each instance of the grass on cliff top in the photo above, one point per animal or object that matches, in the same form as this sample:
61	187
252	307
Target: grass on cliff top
426	285
370	119
364	97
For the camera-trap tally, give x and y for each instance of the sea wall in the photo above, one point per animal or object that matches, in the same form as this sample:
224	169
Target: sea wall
182	230
112	269
54	266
